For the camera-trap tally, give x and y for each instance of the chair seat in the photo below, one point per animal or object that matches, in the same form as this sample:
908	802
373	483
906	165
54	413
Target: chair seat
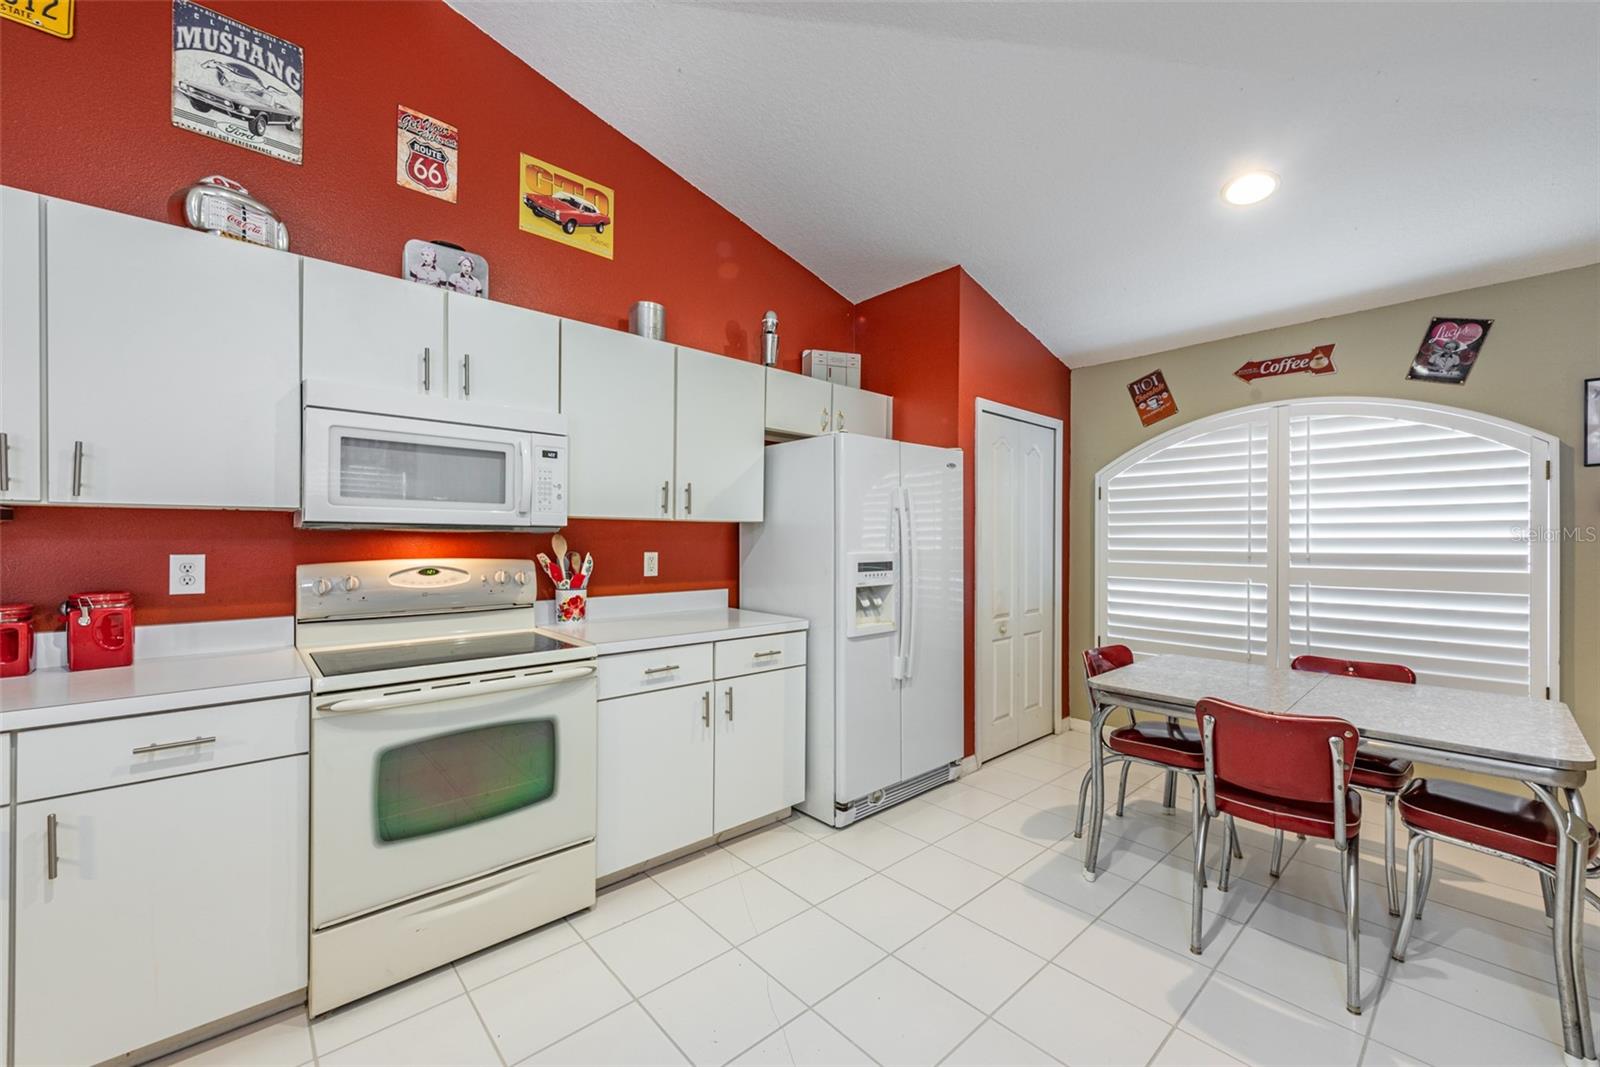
1312	818
1380	773
1160	742
1519	826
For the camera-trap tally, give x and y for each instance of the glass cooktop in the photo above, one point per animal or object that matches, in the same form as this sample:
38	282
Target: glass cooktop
336	662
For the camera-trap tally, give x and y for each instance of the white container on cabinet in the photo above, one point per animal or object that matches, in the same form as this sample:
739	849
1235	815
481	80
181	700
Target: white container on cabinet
174	367
21	351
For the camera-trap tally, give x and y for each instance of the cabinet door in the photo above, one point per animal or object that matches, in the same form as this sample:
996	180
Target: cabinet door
503	354
172	904
858	411
369	329
174	365
720	435
798	406
21	264
617	395
654	771
754	723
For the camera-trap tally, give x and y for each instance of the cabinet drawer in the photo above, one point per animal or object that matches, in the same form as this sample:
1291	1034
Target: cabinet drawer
748	655
642	672
72	759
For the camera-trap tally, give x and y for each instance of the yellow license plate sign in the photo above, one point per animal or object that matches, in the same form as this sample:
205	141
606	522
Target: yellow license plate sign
52	16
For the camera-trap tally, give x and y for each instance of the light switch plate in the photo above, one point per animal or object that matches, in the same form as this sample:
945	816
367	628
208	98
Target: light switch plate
186	575
652	564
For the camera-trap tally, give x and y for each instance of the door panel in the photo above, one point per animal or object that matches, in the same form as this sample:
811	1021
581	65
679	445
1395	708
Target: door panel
504	355
617	395
868	717
175	903
797	405
933	694
655	760
752	742
720	430
860	412
997	501
373	330
1036	593
21	353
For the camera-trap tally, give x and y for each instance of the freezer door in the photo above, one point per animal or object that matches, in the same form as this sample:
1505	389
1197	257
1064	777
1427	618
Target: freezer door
867	741
932	695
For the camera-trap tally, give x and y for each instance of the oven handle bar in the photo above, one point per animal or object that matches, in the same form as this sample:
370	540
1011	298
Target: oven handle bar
459	692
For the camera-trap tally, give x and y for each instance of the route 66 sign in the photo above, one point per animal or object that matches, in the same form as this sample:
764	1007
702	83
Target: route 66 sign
425	152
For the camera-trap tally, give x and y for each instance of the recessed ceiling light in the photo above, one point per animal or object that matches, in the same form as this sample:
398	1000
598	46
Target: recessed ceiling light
1250	188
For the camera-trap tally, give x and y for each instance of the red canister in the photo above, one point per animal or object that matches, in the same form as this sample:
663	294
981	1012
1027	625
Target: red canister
99	630
16	639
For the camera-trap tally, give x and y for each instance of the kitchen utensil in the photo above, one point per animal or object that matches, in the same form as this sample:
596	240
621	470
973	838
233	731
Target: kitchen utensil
551	570
588	569
769	339
559	543
99	630
648	319
16	639
577	565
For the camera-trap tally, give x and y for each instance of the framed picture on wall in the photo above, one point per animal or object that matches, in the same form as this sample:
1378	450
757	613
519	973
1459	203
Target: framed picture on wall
1591	423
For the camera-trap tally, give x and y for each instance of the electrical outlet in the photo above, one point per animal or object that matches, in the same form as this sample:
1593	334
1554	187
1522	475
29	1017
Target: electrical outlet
186	575
652	564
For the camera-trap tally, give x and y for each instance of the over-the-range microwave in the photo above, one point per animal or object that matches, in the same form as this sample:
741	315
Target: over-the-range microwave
382	458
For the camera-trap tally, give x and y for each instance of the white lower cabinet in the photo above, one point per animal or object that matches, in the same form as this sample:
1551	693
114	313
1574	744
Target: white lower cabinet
144	911
680	765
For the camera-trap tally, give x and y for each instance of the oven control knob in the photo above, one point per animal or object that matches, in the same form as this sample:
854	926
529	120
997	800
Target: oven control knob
521	577
499	577
351	583
322	586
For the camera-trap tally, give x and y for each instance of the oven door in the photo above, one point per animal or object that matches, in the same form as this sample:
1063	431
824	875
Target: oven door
380	470
418	787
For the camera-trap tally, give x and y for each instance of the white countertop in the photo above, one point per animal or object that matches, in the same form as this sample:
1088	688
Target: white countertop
176	666
638	633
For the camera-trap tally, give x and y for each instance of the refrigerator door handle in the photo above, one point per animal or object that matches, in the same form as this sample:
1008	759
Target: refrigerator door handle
908	577
898	672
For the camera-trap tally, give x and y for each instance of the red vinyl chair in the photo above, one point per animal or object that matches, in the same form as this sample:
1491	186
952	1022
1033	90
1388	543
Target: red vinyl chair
1379	775
1286	773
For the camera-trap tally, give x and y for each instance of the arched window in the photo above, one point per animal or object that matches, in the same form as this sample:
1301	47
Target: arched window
1360	528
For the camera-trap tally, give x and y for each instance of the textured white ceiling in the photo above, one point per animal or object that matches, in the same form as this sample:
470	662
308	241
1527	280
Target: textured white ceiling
1069	156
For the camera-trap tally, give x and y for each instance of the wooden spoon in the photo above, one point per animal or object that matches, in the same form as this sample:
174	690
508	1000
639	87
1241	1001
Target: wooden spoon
559	543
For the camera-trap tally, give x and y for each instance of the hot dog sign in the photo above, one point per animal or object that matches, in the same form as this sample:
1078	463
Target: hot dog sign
1317	361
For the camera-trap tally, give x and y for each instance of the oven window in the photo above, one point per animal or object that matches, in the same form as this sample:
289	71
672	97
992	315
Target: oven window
371	468
457	779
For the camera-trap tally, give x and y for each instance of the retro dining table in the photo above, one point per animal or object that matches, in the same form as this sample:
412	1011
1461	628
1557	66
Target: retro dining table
1519	738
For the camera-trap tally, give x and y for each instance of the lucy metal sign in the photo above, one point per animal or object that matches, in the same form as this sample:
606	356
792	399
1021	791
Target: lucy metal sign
1317	361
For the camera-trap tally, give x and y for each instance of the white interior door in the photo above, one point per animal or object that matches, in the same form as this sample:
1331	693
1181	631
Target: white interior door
1017	587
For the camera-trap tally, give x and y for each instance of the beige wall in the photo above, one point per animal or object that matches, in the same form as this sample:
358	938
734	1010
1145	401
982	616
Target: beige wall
1545	341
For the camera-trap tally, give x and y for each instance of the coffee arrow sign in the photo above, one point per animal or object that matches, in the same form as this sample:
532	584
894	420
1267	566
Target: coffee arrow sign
1317	361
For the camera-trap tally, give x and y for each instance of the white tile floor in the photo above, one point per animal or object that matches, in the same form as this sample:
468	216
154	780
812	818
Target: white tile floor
957	929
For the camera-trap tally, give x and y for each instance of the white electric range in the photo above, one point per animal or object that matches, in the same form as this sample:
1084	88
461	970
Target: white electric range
452	766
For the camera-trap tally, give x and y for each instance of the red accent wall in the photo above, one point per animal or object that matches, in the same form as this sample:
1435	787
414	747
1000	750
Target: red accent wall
937	345
106	139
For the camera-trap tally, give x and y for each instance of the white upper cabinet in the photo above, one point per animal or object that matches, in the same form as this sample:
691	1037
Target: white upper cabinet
720	433
798	406
617	395
502	354
174	365
21	267
858	411
373	330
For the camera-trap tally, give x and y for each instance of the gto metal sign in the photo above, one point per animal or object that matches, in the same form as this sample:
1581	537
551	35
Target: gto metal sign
1317	361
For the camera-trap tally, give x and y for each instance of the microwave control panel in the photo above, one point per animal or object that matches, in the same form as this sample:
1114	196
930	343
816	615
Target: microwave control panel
550	479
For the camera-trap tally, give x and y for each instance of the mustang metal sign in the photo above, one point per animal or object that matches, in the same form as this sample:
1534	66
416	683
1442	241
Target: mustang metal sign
237	84
1317	361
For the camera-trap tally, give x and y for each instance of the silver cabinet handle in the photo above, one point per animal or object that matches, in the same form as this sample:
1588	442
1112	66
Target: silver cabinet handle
769	653
705	707
166	745
5	462
77	468
662	670
729	691
688	498
427	370
666	497
841	419
466	374
826	416
52	860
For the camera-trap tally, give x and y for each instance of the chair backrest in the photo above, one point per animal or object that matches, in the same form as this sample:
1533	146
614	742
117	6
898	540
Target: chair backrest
1105	658
1355	668
1284	756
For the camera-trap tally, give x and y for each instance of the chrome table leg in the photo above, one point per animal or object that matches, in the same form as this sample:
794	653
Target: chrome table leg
1097	799
1393	880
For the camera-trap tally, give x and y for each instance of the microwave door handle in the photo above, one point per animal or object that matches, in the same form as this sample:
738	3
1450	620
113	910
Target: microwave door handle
525	480
461	692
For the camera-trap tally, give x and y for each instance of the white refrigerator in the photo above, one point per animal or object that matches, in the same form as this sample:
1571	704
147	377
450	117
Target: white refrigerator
863	538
